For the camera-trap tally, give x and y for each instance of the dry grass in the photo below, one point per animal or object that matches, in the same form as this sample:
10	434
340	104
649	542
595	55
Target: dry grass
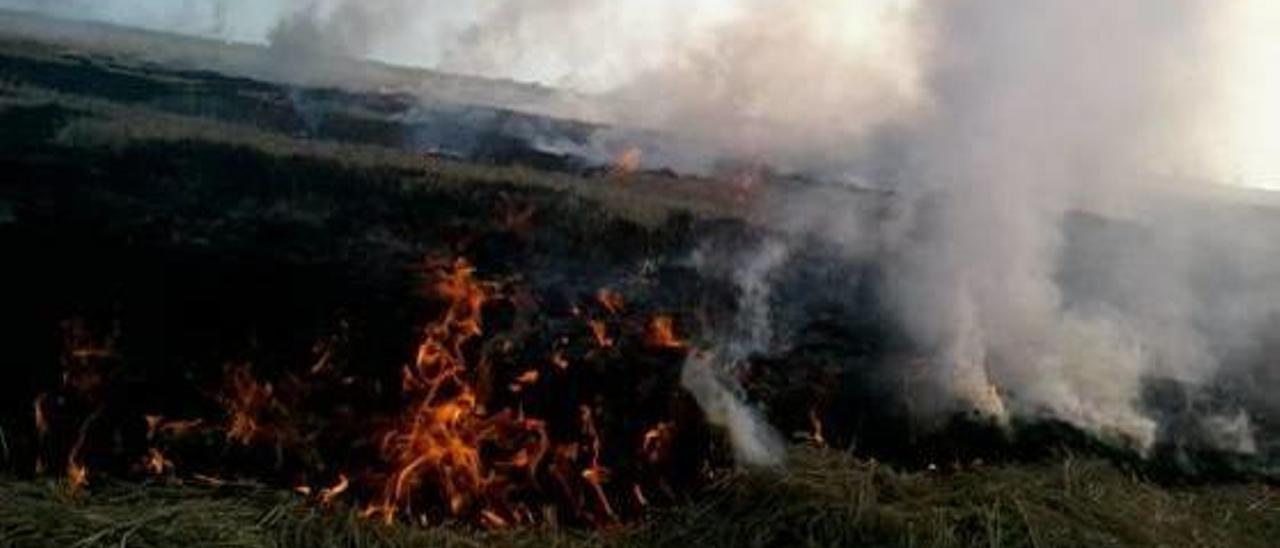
824	498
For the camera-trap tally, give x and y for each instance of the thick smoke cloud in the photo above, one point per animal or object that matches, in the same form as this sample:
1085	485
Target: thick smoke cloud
1041	106
1028	116
1044	111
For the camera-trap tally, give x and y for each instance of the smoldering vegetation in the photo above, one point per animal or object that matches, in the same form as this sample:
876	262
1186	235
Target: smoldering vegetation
984	291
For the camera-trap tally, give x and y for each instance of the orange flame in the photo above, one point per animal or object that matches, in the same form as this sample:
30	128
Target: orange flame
77	471
638	493
42	427
246	401
437	448
156	463
611	300
627	162
329	494
42	422
662	333
815	419
77	476
158	425
83	354
657	442
528	378
558	360
601	333
594	474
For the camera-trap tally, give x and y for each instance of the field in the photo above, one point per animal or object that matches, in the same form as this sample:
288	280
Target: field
234	275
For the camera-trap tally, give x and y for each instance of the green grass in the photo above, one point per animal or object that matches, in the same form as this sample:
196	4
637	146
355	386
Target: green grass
823	498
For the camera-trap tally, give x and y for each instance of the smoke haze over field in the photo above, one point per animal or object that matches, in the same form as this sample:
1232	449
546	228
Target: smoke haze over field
786	78
994	122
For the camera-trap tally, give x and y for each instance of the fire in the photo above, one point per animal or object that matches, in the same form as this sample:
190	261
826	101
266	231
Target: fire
627	162
436	451
495	429
77	476
595	474
662	333
42	422
816	436
247	401
156	463
77	471
558	360
638	493
601	333
452	456
161	426
83	357
528	378
657	442
42	427
611	300
330	494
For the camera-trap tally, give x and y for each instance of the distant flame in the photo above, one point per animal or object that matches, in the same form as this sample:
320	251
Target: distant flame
155	463
158	426
627	162
247	401
662	333
601	333
815	421
42	427
657	442
611	300
42	422
77	476
528	378
330	494
595	474
77	471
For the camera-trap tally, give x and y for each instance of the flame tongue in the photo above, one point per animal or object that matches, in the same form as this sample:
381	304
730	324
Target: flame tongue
458	449
662	334
436	450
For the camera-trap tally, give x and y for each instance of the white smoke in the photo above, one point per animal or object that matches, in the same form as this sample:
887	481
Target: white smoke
1028	113
1038	105
709	374
754	442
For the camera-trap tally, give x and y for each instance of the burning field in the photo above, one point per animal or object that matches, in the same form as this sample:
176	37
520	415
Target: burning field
250	313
